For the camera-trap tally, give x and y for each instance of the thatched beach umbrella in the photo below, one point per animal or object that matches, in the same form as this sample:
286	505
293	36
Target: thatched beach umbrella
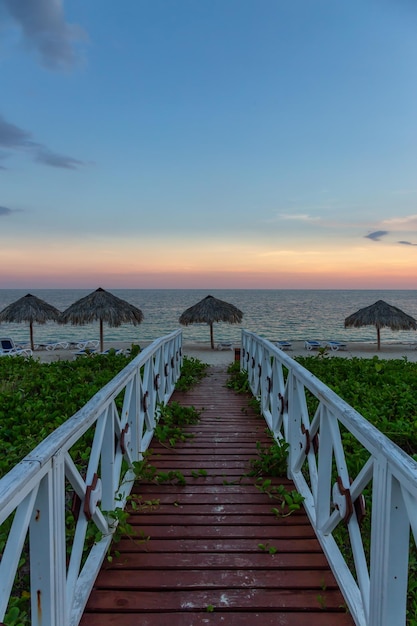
30	309
381	315
210	310
103	306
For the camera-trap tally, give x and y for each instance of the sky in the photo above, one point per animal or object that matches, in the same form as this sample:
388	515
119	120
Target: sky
208	144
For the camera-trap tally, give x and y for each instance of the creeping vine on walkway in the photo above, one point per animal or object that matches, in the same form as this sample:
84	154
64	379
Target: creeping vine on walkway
271	460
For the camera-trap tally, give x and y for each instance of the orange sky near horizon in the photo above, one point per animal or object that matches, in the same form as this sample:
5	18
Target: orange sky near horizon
115	264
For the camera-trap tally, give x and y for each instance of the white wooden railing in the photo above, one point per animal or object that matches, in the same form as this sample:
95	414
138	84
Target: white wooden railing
120	419
374	585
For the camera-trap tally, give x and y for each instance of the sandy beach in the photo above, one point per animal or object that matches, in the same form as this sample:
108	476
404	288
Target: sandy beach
353	349
204	352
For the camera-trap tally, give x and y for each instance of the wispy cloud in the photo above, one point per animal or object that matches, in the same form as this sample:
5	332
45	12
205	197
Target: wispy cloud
45	29
408	222
43	155
301	217
11	136
14	138
288	252
4	210
376	235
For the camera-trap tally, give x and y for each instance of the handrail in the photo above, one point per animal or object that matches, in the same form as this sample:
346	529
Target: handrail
374	585
36	493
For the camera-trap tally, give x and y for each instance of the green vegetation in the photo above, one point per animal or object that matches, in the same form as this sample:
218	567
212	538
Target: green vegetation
288	501
36	398
192	371
146	472
266	547
173	418
201	473
383	391
271	459
238	379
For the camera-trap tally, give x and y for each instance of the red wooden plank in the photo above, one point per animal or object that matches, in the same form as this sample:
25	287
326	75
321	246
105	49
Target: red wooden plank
217	618
238	510
232	544
199	504
257	533
208	459
226	560
194	579
245	492
243	599
238	521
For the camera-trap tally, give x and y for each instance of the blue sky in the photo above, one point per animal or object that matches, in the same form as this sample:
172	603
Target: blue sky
208	143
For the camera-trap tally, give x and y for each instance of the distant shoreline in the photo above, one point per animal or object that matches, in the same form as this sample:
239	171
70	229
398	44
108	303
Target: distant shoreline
204	352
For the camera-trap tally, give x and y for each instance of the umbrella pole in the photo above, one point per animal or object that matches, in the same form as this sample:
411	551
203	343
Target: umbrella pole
378	335
101	336
31	335
211	335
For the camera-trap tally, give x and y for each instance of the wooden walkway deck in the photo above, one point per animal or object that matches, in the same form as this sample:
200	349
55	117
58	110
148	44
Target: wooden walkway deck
202	563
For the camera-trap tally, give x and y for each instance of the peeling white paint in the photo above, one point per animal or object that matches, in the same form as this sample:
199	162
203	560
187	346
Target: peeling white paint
187	605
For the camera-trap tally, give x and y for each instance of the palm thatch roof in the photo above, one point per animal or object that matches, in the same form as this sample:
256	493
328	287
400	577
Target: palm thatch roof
30	309
381	315
210	310
102	306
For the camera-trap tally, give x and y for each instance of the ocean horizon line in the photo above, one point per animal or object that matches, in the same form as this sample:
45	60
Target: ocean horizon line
311	289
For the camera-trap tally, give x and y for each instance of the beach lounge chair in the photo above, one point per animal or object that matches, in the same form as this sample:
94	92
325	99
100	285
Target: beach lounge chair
283	345
8	348
57	345
225	346
335	345
91	344
312	345
112	351
85	352
91	351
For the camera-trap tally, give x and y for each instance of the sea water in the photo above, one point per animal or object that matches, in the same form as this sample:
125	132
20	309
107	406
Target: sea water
276	314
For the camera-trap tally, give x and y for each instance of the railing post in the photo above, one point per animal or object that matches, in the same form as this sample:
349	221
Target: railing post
107	465
242	350
140	418
265	373
390	535
60	552
324	471
294	423
47	549
134	420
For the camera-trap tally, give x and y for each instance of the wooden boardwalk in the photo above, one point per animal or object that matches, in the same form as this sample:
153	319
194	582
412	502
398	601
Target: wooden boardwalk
203	563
